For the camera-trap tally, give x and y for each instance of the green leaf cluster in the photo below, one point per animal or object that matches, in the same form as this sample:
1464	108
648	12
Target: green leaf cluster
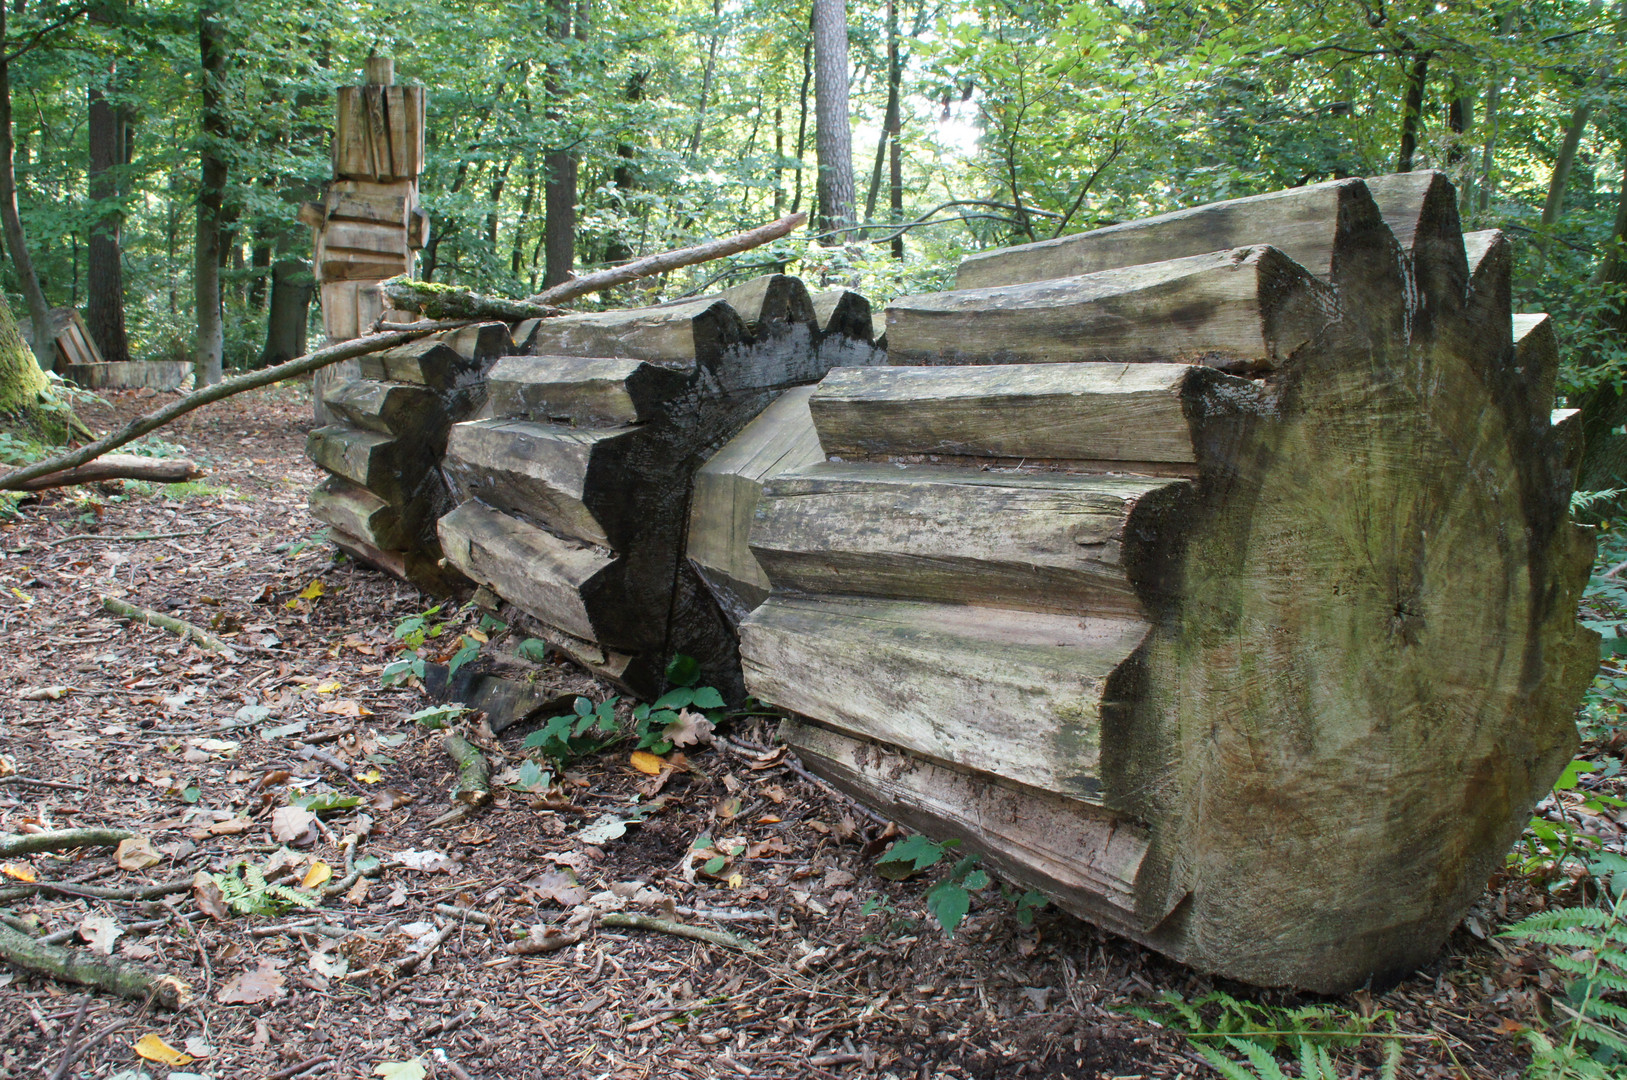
247	892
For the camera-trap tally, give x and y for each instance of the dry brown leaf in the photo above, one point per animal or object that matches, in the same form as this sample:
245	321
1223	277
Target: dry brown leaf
210	900
560	887
691	728
46	693
136	853
290	823
260	983
230	827
100	931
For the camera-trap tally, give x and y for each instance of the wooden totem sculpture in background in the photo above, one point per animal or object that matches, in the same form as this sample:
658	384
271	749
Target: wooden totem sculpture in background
368	225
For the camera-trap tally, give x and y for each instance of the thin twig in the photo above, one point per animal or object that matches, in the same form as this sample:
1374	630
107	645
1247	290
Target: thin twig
30	781
299	1067
667	926
134	538
179	627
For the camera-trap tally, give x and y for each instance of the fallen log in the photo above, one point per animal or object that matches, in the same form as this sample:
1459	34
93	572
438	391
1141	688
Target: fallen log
1185	648
119	467
61	840
437	301
135	429
121	977
474	775
179	627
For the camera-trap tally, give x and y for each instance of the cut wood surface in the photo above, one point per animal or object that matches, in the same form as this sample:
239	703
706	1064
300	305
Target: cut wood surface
1042	542
551	578
589	390
1017	694
687	333
843	312
386	407
727	488
1370	570
539	471
1106	412
1246	309
365	458
353	509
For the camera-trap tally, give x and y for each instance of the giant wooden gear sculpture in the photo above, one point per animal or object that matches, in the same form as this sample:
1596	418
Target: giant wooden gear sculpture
1211	573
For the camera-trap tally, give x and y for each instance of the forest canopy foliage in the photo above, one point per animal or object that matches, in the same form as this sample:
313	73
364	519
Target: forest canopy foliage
683	119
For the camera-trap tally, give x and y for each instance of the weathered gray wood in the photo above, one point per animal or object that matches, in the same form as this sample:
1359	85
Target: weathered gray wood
1017	694
1130	413
551	578
1421	210
389	408
143	374
426	363
771	304
1066	847
1247	309
683	334
1047	542
358	512
481	343
1490	292
365	458
537	470
581	390
1536	357
1327	228
726	492
844	312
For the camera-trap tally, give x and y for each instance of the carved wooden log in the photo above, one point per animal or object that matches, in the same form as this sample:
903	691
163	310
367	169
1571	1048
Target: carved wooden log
575	485
1264	672
386	489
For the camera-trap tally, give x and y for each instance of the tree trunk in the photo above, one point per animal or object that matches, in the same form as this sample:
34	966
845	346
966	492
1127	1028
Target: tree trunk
802	123
626	174
706	79
516	255
39	312
1412	110
889	127
496	201
286	323
206	266
1554	207
22	382
895	122
104	290
833	133
559	184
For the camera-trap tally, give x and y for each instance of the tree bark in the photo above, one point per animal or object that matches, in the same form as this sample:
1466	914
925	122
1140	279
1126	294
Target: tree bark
1412	110
833	132
706	78
559	185
802	122
1554	207
289	317
104	288
39	311
206	267
625	177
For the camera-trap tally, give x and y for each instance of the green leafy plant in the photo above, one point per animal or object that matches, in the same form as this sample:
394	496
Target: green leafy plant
436	717
950	899
1256	1033
1589	944
585	730
252	894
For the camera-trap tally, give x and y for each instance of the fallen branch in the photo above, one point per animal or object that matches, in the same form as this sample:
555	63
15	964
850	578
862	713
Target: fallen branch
86	968
251	380
29	781
61	840
97	892
667	926
183	630
119	467
470	914
300	1066
132	538
549	942
474	775
439	301
668	260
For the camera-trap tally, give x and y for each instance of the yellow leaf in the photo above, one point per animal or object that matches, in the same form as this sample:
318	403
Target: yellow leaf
736	880
312	591
479	635
329	687
646	762
18	871
371	776
154	1048
320	873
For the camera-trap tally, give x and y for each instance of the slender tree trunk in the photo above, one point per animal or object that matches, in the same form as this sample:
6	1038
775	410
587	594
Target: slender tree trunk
1413	109
290	314
833	132
1612	267
559	166
779	160
1554	207
104	290
706	78
211	193
802	123
39	312
516	255
496	200
626	175
890	124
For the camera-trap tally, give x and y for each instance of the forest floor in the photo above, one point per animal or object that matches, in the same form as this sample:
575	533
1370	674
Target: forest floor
198	753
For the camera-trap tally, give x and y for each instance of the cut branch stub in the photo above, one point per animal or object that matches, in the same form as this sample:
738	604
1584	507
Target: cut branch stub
1195	673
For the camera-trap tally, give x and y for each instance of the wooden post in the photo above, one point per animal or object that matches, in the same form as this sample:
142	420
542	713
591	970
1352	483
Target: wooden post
369	224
